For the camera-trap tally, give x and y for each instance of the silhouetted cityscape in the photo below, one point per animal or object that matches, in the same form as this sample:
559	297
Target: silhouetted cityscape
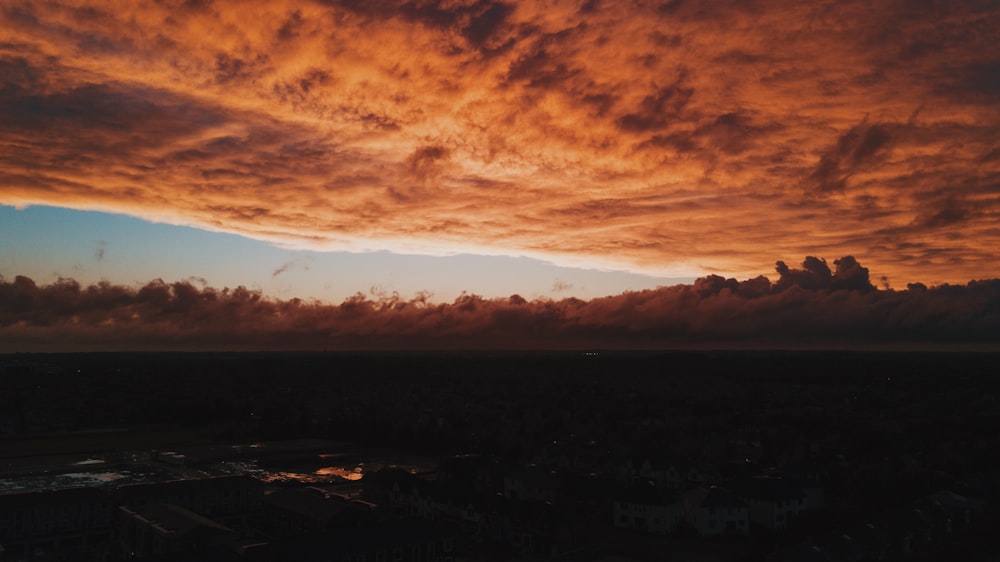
590	456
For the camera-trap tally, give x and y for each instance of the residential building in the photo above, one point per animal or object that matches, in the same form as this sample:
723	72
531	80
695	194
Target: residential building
399	541
61	523
645	508
771	502
714	511
158	529
231	500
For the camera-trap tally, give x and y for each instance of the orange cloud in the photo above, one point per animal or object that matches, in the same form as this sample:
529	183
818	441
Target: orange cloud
668	137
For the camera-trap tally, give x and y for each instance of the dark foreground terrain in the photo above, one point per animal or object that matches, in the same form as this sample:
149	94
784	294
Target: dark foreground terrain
575	456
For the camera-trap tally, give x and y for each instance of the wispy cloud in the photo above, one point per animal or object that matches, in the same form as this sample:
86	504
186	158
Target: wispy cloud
559	286
660	137
297	263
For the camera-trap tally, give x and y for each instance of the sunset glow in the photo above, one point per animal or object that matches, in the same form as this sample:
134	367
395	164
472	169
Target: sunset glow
670	138
660	140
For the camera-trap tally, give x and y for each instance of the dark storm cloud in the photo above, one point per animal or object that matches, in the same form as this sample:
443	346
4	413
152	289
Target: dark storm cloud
811	306
424	162
18	76
233	69
659	108
943	213
816	275
485	24
290	29
96	108
854	149
541	70
731	134
477	21
430	12
982	82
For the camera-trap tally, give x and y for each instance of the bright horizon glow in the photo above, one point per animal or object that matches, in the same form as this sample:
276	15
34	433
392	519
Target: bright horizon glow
91	246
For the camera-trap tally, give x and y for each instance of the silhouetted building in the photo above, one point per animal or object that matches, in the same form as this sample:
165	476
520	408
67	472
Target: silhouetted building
230	500
645	508
62	523
960	510
400	541
306	511
715	511
532	483
160	529
772	502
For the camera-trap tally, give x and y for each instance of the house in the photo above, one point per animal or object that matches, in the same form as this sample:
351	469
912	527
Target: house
960	509
693	474
714	511
411	496
532	483
377	486
856	543
802	552
674	476
447	503
873	540
842	547
60	523
813	491
645	508
660	473
907	528
772	502
232	500
304	511
478	474
539	528
157	529
399	541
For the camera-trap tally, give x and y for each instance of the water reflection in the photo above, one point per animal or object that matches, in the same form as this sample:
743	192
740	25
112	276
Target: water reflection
289	468
355	474
291	475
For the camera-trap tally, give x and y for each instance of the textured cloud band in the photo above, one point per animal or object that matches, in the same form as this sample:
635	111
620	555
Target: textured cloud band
809	307
667	137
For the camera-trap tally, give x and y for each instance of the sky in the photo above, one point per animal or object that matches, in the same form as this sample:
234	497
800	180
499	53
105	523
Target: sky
430	151
55	243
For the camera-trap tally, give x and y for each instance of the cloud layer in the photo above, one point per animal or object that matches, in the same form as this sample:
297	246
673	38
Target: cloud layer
666	137
812	306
